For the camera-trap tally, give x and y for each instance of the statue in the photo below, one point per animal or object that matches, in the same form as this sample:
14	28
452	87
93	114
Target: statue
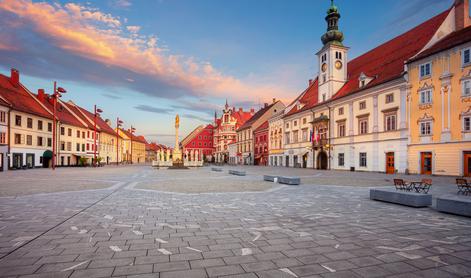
177	153
167	157
197	158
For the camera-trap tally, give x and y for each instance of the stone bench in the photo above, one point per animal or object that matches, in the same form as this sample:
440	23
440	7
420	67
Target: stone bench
215	169
289	180
270	178
460	205
391	195
237	173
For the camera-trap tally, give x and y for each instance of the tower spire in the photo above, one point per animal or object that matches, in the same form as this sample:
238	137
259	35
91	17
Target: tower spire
333	35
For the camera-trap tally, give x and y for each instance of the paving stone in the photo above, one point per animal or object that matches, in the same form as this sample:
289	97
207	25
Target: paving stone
224	270
308	269
92	273
372	271
206	263
171	266
132	269
258	266
193	273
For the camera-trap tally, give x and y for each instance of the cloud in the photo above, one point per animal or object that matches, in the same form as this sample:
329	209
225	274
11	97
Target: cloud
133	28
152	109
111	96
195	117
121	3
81	43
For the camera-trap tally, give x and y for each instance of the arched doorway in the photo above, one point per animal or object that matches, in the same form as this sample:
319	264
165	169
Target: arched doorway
322	161
47	159
305	160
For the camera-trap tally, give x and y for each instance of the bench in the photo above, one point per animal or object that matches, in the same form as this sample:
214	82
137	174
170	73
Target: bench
270	178
289	180
215	169
237	173
405	198
463	186
459	205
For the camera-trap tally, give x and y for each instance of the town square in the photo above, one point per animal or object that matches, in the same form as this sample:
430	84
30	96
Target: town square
244	139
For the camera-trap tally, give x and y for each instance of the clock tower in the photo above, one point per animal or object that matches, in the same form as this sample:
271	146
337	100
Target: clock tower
332	57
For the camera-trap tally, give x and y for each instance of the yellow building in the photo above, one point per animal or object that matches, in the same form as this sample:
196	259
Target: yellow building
440	103
134	147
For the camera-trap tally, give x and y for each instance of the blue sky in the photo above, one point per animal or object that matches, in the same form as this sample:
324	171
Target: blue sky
145	61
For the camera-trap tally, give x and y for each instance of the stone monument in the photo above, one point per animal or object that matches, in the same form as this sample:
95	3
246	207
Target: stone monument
177	158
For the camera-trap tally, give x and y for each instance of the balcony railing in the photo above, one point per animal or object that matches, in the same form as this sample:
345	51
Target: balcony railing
321	142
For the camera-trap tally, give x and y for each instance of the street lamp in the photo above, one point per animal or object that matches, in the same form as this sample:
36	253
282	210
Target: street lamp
58	91
132	132
96	114
119	123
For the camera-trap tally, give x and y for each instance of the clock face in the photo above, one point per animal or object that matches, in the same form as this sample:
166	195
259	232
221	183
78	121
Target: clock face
324	67
338	65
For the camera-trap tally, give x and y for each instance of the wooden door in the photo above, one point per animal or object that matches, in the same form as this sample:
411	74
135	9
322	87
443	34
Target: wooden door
467	164
390	169
426	163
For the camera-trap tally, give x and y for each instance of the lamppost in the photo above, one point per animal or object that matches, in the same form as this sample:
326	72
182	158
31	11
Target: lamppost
96	115
132	132
58	91
118	125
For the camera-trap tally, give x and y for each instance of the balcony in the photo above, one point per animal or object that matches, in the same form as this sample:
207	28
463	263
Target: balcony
323	142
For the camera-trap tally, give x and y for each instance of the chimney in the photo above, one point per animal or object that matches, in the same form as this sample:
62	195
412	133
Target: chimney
108	122
41	95
273	100
462	19
241	110
15	77
265	105
252	110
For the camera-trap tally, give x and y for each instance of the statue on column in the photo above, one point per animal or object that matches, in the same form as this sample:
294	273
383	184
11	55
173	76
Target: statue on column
197	156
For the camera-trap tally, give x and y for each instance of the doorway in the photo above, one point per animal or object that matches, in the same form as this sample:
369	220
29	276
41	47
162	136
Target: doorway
17	160
390	169
467	164
47	158
287	161
305	160
322	161
426	163
1	162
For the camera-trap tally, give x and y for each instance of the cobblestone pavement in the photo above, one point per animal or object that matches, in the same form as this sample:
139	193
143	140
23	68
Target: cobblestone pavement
298	231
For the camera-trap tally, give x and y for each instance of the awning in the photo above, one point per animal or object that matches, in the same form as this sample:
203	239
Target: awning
47	154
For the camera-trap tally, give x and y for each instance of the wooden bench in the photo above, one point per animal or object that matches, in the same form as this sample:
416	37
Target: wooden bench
405	198
460	205
237	173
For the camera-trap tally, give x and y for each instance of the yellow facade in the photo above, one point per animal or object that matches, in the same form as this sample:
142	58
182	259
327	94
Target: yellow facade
138	152
440	139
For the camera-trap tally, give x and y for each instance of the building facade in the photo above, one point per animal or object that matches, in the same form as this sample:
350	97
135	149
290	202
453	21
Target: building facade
245	136
440	103
261	144
200	140
275	139
225	130
4	115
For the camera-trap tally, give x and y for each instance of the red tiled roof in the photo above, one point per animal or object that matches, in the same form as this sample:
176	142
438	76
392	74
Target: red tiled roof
308	99
386	62
256	116
79	113
262	127
20	99
241	117
4	102
454	39
101	124
135	138
62	114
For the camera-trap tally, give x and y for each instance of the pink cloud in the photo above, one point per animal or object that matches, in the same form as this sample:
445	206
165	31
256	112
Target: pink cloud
91	34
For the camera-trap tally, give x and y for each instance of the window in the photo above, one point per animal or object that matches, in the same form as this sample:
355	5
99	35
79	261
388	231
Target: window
362	105
3	118
390	122
69	146
426	96
341	111
362	159
62	130
287	138
83	147
78	146
304	121
363	125
323	97
40	141
18	120
17	139
426	128
49	127
29	140
29	123
3	138
69	132
341	129
287	125
40	125
304	135
49	142
362	83
425	70
83	134
467	124
62	146
466	54
389	98
295	123
78	133
467	88
341	159
295	136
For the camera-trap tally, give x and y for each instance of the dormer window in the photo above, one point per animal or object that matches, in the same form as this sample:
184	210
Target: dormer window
364	80
425	70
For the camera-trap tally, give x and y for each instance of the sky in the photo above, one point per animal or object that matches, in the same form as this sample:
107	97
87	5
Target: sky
147	60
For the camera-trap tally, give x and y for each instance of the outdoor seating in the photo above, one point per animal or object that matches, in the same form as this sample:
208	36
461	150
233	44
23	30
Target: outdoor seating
400	184
463	186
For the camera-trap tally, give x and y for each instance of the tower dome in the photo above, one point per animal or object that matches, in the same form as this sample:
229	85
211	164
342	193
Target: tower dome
333	34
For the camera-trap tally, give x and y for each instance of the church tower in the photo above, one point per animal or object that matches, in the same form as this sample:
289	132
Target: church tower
332	57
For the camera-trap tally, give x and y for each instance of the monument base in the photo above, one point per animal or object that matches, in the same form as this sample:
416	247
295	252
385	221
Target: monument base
178	164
